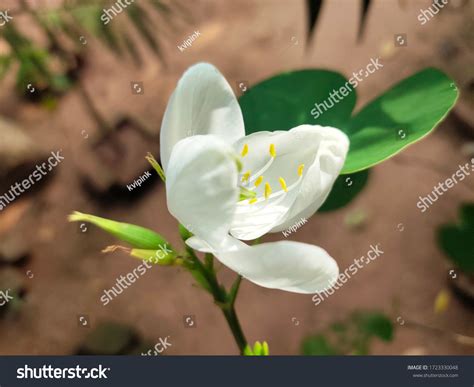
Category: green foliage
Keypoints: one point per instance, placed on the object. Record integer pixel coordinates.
(346, 188)
(351, 336)
(71, 22)
(414, 106)
(259, 349)
(398, 118)
(5, 62)
(33, 61)
(457, 240)
(285, 101)
(318, 345)
(86, 16)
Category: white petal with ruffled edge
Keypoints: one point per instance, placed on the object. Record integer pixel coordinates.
(201, 186)
(321, 150)
(320, 176)
(202, 103)
(285, 265)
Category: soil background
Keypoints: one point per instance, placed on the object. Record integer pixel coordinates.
(247, 40)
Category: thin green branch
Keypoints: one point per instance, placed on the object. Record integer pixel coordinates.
(226, 302)
(234, 290)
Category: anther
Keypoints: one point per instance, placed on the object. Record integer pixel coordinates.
(258, 181)
(268, 190)
(245, 150)
(300, 169)
(272, 150)
(246, 176)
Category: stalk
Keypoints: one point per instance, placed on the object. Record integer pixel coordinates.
(225, 301)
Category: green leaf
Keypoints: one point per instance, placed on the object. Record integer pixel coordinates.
(350, 336)
(88, 18)
(374, 324)
(457, 240)
(467, 216)
(60, 82)
(345, 189)
(234, 290)
(414, 106)
(184, 232)
(400, 117)
(136, 236)
(5, 62)
(318, 345)
(286, 100)
(338, 327)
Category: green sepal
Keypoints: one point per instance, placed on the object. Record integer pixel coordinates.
(185, 233)
(158, 257)
(138, 237)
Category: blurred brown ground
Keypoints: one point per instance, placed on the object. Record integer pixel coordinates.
(246, 40)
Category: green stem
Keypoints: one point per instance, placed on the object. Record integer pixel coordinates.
(231, 316)
(226, 302)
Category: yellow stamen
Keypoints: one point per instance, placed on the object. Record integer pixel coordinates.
(283, 184)
(300, 169)
(246, 176)
(258, 181)
(252, 201)
(268, 190)
(272, 150)
(245, 150)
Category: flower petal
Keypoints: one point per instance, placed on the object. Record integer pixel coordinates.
(202, 103)
(285, 265)
(198, 244)
(279, 155)
(320, 176)
(201, 186)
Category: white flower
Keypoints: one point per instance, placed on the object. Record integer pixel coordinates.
(286, 175)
